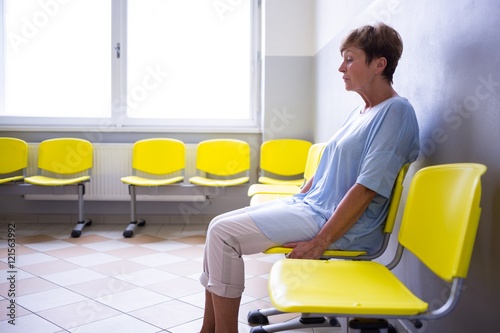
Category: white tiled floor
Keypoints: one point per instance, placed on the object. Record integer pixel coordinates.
(102, 282)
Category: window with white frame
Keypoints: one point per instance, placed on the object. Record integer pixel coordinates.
(130, 63)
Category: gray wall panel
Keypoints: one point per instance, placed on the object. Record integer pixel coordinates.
(450, 71)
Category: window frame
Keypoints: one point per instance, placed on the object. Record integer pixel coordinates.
(119, 122)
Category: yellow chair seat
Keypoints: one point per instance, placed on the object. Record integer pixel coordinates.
(141, 181)
(273, 181)
(198, 180)
(272, 189)
(326, 253)
(10, 179)
(49, 181)
(340, 287)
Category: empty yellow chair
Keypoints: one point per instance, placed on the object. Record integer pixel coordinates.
(260, 193)
(283, 161)
(222, 162)
(438, 226)
(65, 162)
(13, 159)
(155, 162)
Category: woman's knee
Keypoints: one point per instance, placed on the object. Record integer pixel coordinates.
(220, 230)
(226, 232)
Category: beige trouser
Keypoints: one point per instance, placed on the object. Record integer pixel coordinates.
(230, 236)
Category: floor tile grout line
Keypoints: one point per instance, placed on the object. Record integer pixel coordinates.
(184, 233)
(87, 298)
(118, 310)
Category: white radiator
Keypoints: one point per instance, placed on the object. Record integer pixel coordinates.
(112, 161)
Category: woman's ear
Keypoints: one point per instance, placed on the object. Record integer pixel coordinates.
(380, 64)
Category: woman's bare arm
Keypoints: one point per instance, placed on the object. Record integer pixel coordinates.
(347, 213)
(307, 186)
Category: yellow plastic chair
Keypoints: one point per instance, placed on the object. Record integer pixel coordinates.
(65, 162)
(438, 226)
(283, 161)
(13, 159)
(222, 162)
(155, 162)
(261, 193)
(260, 316)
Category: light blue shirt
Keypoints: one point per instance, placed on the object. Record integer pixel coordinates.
(369, 149)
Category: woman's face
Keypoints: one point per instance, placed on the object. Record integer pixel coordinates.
(357, 75)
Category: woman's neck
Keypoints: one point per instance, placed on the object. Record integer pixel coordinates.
(376, 97)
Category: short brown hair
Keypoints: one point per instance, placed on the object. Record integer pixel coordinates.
(377, 41)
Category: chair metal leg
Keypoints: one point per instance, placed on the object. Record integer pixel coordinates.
(129, 231)
(259, 316)
(82, 222)
(343, 322)
(305, 321)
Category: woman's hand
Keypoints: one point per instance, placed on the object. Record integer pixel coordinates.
(305, 250)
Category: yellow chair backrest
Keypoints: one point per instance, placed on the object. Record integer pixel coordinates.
(284, 157)
(397, 191)
(13, 155)
(159, 156)
(441, 216)
(313, 157)
(65, 155)
(223, 157)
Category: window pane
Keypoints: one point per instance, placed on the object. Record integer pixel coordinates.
(57, 58)
(188, 59)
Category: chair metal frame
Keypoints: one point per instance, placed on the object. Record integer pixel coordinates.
(155, 162)
(438, 226)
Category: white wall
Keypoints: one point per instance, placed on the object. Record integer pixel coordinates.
(288, 110)
(345, 12)
(450, 71)
(289, 28)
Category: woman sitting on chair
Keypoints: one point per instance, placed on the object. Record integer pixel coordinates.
(344, 204)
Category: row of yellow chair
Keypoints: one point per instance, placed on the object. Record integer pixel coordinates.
(285, 165)
(69, 161)
(155, 162)
(219, 162)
